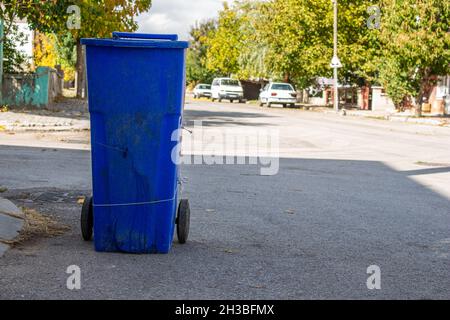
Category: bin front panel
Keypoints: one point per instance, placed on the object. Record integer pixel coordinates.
(136, 99)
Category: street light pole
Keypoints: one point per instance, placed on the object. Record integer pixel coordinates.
(1, 58)
(336, 63)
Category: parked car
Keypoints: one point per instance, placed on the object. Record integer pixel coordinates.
(278, 93)
(202, 90)
(228, 89)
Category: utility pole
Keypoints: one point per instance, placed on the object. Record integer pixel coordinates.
(336, 63)
(1, 59)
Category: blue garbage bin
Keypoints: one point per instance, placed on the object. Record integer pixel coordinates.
(136, 85)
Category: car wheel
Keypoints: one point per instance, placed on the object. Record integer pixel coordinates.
(261, 104)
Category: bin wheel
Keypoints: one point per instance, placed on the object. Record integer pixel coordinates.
(87, 219)
(183, 221)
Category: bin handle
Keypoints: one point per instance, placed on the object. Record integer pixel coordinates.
(131, 35)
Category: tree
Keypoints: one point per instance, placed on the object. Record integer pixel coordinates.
(415, 38)
(15, 61)
(49, 50)
(10, 12)
(224, 45)
(65, 46)
(300, 38)
(237, 46)
(196, 70)
(292, 40)
(254, 46)
(97, 18)
(45, 50)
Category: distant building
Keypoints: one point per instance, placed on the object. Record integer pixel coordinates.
(375, 98)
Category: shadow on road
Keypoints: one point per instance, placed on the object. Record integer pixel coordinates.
(427, 171)
(226, 118)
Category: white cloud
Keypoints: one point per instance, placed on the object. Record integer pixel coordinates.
(177, 16)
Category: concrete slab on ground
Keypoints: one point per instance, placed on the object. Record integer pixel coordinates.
(10, 208)
(9, 227)
(11, 223)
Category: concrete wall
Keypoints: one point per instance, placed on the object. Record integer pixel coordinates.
(381, 101)
(39, 89)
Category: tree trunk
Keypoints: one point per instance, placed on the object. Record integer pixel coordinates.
(424, 91)
(418, 106)
(80, 67)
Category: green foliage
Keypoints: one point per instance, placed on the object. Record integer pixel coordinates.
(224, 45)
(293, 40)
(254, 46)
(196, 71)
(300, 34)
(65, 47)
(66, 54)
(15, 61)
(415, 45)
(98, 17)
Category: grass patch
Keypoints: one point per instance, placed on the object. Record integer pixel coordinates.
(432, 164)
(377, 117)
(38, 226)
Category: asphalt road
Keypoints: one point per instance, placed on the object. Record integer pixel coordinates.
(350, 193)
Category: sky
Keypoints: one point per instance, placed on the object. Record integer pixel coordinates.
(177, 16)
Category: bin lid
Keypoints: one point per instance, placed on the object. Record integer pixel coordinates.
(138, 40)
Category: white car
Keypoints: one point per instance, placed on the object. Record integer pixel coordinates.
(228, 89)
(278, 93)
(202, 90)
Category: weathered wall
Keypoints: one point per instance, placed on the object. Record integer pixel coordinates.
(36, 90)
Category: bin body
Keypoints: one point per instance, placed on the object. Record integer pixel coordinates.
(136, 96)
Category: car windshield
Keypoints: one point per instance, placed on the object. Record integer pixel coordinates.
(282, 87)
(204, 86)
(233, 83)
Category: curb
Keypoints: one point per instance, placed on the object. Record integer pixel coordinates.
(432, 122)
(12, 220)
(397, 118)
